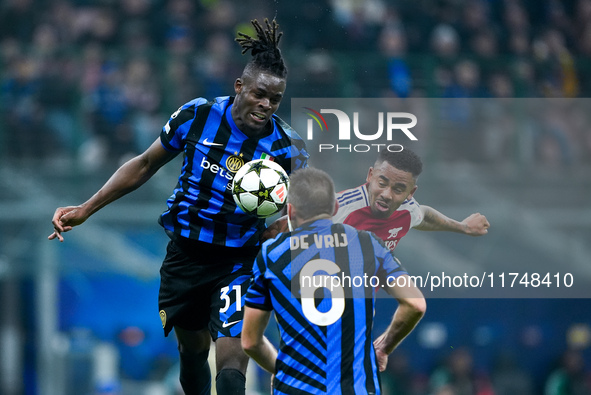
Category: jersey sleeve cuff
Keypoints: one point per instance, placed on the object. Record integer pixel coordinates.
(166, 145)
(258, 306)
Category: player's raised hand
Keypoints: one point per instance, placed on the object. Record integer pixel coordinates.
(476, 225)
(64, 219)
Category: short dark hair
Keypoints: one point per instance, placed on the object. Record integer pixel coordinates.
(266, 55)
(405, 160)
(311, 192)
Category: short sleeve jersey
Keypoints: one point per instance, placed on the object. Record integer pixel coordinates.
(354, 210)
(329, 357)
(201, 206)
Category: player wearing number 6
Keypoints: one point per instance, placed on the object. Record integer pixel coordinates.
(326, 334)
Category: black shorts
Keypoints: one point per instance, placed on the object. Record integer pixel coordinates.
(203, 286)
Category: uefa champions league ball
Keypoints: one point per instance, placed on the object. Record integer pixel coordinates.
(260, 188)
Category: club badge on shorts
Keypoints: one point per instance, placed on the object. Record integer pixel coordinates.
(163, 318)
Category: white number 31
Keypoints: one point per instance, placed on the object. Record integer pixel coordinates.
(226, 298)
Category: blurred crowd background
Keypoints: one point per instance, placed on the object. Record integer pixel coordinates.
(86, 84)
(96, 79)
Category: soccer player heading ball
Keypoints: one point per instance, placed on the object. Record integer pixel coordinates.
(208, 263)
(385, 204)
(326, 342)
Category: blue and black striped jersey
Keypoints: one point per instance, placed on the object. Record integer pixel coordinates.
(201, 206)
(326, 341)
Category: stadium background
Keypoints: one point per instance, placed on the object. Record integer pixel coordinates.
(85, 84)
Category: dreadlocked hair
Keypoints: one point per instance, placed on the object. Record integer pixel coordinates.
(265, 51)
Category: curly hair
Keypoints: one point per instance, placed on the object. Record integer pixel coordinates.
(266, 55)
(405, 160)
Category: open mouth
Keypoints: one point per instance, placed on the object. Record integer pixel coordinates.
(257, 116)
(381, 206)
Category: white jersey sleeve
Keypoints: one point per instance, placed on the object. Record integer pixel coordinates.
(416, 214)
(350, 200)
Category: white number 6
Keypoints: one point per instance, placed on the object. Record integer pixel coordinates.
(337, 293)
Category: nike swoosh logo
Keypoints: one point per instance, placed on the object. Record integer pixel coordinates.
(205, 142)
(227, 324)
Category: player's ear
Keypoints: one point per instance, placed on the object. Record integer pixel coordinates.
(336, 207)
(291, 217)
(369, 173)
(238, 85)
(412, 192)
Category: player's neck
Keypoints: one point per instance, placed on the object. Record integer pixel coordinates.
(299, 222)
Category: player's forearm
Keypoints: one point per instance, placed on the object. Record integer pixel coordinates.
(262, 352)
(433, 220)
(130, 176)
(405, 319)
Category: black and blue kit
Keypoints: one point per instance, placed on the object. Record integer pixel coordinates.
(326, 344)
(208, 266)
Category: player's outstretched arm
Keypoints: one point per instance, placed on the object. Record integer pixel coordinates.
(254, 343)
(411, 308)
(127, 178)
(474, 225)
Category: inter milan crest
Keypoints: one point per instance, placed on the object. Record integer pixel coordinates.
(234, 162)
